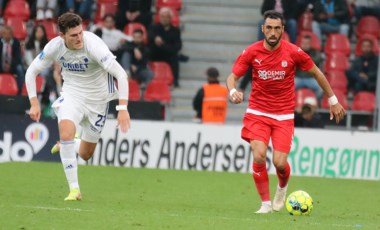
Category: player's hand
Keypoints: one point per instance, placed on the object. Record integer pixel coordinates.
(237, 97)
(338, 112)
(123, 121)
(35, 111)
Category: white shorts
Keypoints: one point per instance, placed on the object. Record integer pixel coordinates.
(90, 117)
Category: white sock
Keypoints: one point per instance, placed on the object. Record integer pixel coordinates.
(69, 162)
(268, 203)
(76, 145)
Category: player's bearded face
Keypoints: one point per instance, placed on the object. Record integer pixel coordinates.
(74, 38)
(272, 30)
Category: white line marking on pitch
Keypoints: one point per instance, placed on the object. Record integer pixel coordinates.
(54, 208)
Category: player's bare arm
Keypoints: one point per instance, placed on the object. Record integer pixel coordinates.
(235, 96)
(123, 119)
(336, 109)
(35, 109)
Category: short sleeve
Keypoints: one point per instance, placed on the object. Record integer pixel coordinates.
(303, 60)
(99, 51)
(242, 63)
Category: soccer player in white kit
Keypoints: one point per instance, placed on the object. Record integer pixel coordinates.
(88, 70)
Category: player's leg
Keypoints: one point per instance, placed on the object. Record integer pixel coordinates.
(69, 114)
(257, 132)
(260, 174)
(282, 136)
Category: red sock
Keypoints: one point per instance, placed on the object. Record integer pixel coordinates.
(283, 176)
(260, 176)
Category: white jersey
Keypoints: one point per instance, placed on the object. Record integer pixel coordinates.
(84, 71)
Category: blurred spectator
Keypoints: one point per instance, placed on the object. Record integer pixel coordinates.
(134, 11)
(10, 58)
(304, 79)
(210, 102)
(330, 16)
(366, 7)
(81, 7)
(136, 58)
(165, 42)
(114, 38)
(46, 9)
(362, 75)
(289, 9)
(34, 45)
(307, 118)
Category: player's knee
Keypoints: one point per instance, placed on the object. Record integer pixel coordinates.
(279, 165)
(86, 155)
(259, 156)
(66, 136)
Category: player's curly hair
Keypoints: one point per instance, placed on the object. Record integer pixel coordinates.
(68, 20)
(273, 15)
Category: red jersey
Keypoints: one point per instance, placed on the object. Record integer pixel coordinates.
(272, 76)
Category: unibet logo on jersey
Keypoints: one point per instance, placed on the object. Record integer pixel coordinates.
(271, 75)
(75, 67)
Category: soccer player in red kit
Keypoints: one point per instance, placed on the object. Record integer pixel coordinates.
(270, 112)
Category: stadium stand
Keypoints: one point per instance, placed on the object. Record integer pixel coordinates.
(8, 84)
(364, 101)
(157, 91)
(337, 43)
(134, 90)
(19, 27)
(162, 72)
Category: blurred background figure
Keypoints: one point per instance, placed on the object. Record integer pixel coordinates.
(210, 102)
(165, 42)
(10, 56)
(303, 78)
(330, 16)
(113, 37)
(307, 118)
(134, 11)
(81, 7)
(135, 59)
(362, 75)
(46, 9)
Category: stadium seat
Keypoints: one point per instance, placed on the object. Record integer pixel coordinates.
(285, 36)
(50, 27)
(19, 9)
(8, 84)
(104, 8)
(175, 4)
(175, 19)
(40, 85)
(134, 90)
(303, 93)
(375, 42)
(338, 80)
(336, 61)
(162, 72)
(157, 91)
(368, 25)
(342, 98)
(18, 26)
(305, 22)
(337, 43)
(130, 27)
(315, 42)
(364, 101)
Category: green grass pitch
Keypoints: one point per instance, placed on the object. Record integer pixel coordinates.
(124, 198)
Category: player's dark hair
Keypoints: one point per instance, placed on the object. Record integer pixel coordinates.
(273, 15)
(67, 21)
(138, 31)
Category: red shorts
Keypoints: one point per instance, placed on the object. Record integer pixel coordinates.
(262, 128)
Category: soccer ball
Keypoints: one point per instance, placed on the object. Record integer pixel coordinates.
(299, 203)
